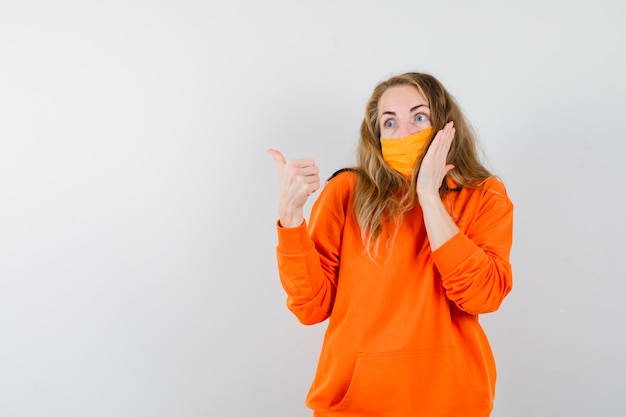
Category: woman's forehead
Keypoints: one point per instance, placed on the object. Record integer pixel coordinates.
(400, 98)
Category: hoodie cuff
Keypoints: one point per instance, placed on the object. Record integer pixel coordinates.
(453, 253)
(293, 240)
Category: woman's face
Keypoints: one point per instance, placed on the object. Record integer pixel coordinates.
(402, 111)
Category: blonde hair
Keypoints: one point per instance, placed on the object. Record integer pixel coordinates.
(382, 195)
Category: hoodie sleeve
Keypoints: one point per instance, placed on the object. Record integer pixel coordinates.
(308, 255)
(474, 264)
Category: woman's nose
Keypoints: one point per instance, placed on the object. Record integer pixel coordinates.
(406, 130)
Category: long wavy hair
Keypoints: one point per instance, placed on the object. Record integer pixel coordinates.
(382, 195)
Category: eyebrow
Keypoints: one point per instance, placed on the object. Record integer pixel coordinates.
(410, 111)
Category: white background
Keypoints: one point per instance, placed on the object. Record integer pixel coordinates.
(137, 203)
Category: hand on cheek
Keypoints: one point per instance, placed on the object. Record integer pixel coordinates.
(434, 166)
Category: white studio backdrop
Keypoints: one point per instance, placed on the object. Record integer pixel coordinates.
(138, 205)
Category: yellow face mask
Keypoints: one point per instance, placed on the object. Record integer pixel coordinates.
(401, 153)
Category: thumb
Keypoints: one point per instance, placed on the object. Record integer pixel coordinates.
(278, 157)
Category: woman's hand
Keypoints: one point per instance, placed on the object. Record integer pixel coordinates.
(439, 225)
(434, 168)
(298, 179)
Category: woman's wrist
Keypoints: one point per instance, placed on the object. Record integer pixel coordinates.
(428, 197)
(291, 218)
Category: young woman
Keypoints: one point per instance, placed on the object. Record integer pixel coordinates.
(401, 254)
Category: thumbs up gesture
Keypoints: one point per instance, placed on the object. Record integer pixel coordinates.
(298, 179)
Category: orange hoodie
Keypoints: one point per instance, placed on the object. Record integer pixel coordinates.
(403, 337)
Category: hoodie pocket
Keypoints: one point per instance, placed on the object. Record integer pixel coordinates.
(430, 383)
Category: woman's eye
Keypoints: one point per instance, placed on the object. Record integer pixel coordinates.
(389, 124)
(420, 117)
